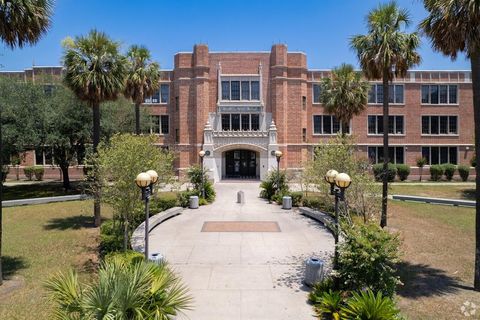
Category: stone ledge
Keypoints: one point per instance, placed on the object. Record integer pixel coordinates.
(452, 202)
(138, 236)
(319, 216)
(23, 202)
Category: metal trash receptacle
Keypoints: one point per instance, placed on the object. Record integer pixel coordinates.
(314, 271)
(193, 202)
(157, 258)
(240, 197)
(287, 203)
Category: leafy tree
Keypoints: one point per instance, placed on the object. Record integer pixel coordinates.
(344, 94)
(124, 290)
(453, 28)
(22, 22)
(67, 129)
(385, 52)
(119, 162)
(95, 71)
(142, 79)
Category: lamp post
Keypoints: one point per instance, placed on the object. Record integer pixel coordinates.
(338, 183)
(145, 181)
(202, 154)
(279, 155)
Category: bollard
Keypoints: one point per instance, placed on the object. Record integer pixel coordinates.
(240, 197)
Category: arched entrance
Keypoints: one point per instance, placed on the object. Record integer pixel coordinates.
(241, 164)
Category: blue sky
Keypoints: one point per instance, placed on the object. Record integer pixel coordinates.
(320, 28)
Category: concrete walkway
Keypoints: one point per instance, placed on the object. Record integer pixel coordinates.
(243, 275)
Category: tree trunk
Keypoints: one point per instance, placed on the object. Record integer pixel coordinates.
(383, 220)
(137, 118)
(475, 63)
(65, 177)
(96, 141)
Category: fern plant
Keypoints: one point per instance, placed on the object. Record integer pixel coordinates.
(329, 305)
(365, 305)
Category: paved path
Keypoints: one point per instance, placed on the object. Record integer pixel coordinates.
(243, 275)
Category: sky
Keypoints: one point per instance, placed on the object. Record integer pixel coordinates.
(320, 28)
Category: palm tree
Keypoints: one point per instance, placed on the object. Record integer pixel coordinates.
(95, 71)
(453, 28)
(124, 290)
(344, 94)
(384, 53)
(142, 79)
(22, 22)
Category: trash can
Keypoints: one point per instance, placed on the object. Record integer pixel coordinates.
(193, 202)
(314, 271)
(157, 258)
(240, 197)
(287, 203)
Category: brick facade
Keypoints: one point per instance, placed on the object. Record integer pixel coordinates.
(286, 109)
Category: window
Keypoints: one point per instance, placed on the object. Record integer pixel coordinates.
(316, 92)
(395, 124)
(44, 156)
(439, 94)
(255, 90)
(177, 135)
(240, 90)
(164, 93)
(304, 134)
(395, 93)
(440, 155)
(177, 105)
(395, 154)
(235, 90)
(155, 98)
(244, 122)
(438, 125)
(159, 124)
(326, 124)
(304, 102)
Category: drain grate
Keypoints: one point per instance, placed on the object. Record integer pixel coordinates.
(241, 226)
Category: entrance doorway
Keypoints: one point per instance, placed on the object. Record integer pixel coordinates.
(241, 164)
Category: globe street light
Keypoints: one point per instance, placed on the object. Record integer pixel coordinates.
(145, 181)
(279, 155)
(338, 183)
(202, 154)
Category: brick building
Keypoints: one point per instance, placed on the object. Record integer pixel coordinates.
(240, 107)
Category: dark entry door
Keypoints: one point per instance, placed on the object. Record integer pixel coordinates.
(241, 164)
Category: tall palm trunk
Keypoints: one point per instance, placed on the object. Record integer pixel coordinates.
(475, 63)
(137, 118)
(383, 220)
(96, 141)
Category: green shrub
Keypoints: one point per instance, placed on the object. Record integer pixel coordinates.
(269, 185)
(329, 305)
(319, 203)
(464, 172)
(403, 171)
(129, 256)
(111, 237)
(319, 288)
(378, 171)
(297, 198)
(163, 201)
(436, 172)
(367, 305)
(473, 161)
(195, 174)
(367, 259)
(29, 172)
(202, 202)
(38, 171)
(449, 171)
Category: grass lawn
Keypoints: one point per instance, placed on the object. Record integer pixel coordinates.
(466, 192)
(40, 240)
(438, 259)
(38, 190)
